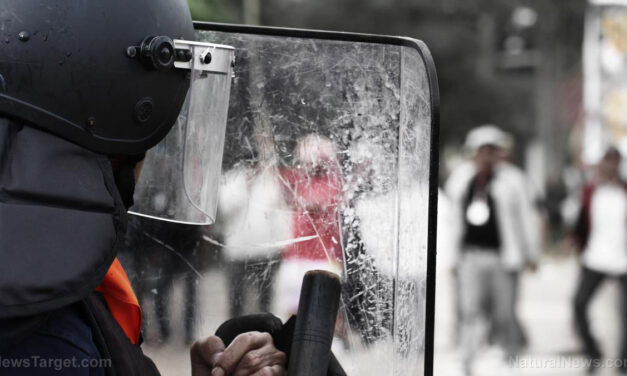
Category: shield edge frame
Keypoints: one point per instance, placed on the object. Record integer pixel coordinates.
(434, 153)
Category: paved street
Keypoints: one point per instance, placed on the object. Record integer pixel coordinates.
(544, 309)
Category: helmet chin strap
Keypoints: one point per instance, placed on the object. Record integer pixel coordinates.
(124, 175)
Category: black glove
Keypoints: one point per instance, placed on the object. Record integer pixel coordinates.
(282, 334)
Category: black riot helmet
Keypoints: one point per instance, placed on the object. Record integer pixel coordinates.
(115, 77)
(86, 85)
(98, 73)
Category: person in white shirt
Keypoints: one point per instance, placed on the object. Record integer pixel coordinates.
(601, 234)
(255, 222)
(494, 237)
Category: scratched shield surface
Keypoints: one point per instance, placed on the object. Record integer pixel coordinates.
(326, 166)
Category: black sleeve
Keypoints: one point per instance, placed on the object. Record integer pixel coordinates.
(581, 230)
(127, 359)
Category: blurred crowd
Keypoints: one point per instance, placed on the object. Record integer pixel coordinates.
(494, 225)
(276, 221)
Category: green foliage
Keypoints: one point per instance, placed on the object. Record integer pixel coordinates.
(215, 10)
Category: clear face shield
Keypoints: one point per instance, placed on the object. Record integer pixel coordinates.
(180, 176)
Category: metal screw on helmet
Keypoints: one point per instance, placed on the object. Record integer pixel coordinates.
(184, 55)
(91, 122)
(158, 53)
(24, 36)
(206, 57)
(165, 54)
(131, 52)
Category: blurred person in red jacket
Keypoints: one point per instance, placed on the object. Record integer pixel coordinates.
(600, 234)
(314, 191)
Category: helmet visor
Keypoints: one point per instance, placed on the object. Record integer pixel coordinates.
(179, 177)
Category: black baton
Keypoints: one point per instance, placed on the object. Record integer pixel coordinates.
(315, 323)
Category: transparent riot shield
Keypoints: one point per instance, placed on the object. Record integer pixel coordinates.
(330, 162)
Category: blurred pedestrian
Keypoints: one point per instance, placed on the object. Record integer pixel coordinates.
(495, 237)
(537, 229)
(600, 233)
(313, 189)
(157, 254)
(254, 222)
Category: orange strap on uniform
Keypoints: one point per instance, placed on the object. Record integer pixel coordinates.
(121, 300)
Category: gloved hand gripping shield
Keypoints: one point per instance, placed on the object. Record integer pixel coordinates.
(179, 176)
